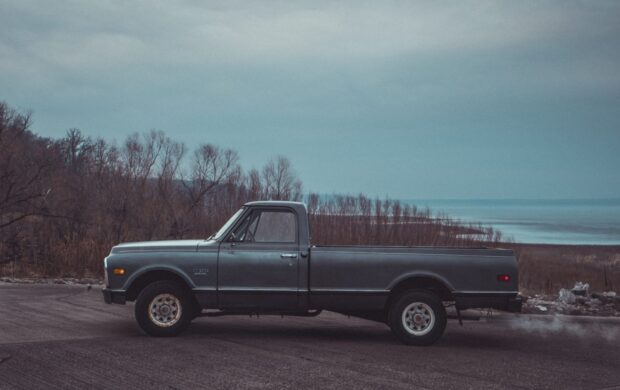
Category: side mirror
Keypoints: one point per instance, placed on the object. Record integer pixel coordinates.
(232, 237)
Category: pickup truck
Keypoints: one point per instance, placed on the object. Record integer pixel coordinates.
(262, 262)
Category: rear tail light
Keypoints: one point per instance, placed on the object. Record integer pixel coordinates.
(503, 278)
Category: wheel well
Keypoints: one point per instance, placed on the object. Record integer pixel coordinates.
(149, 277)
(421, 283)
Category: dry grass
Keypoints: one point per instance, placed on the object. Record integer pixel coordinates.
(547, 268)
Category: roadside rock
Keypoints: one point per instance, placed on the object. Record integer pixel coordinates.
(581, 300)
(576, 301)
(541, 308)
(566, 296)
(581, 289)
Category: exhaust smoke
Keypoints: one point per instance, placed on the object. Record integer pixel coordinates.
(606, 328)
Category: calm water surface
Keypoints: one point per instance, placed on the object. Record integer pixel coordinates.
(583, 221)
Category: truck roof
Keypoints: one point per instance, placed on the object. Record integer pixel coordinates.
(275, 203)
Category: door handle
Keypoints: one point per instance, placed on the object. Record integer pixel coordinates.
(288, 255)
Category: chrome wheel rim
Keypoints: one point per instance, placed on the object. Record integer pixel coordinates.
(165, 310)
(418, 318)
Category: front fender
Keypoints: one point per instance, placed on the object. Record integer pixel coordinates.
(158, 267)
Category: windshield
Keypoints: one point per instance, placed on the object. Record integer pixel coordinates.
(228, 223)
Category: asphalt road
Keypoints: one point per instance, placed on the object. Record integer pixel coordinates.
(55, 336)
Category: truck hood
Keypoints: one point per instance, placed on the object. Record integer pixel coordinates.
(169, 245)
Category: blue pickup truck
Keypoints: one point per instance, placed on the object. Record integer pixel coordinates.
(262, 262)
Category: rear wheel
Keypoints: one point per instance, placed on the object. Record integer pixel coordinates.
(164, 309)
(417, 317)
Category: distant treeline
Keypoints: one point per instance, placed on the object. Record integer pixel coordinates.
(65, 202)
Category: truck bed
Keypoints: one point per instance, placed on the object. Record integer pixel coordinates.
(337, 271)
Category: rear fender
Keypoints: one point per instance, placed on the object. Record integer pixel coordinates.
(418, 274)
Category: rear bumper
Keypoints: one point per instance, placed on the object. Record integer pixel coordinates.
(510, 302)
(113, 296)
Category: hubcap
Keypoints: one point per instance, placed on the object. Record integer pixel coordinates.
(418, 318)
(165, 310)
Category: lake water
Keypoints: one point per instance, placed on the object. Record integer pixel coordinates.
(583, 221)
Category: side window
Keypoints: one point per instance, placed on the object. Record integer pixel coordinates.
(268, 226)
(276, 226)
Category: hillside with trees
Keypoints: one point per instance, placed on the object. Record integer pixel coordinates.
(65, 202)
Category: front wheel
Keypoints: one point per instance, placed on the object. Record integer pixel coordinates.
(417, 317)
(164, 309)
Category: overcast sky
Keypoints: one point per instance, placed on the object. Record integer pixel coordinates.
(402, 99)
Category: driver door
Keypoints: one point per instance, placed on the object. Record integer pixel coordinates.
(258, 262)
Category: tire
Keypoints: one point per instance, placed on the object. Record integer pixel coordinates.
(417, 317)
(164, 309)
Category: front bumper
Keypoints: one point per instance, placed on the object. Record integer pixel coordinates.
(114, 296)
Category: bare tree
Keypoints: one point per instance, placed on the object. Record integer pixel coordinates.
(211, 167)
(254, 185)
(140, 156)
(23, 165)
(280, 180)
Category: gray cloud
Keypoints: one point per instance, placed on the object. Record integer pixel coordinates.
(432, 85)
